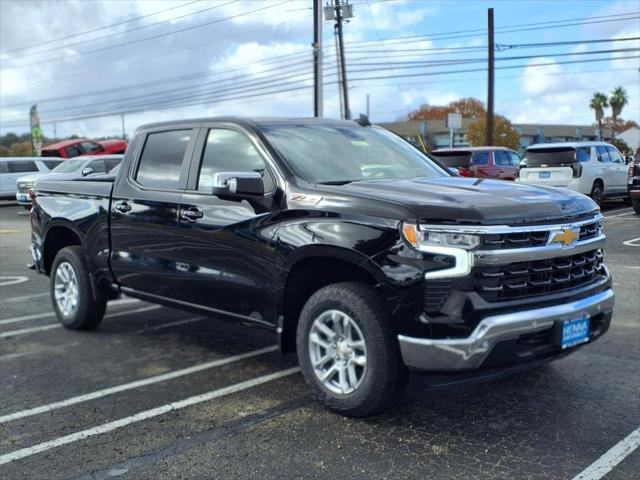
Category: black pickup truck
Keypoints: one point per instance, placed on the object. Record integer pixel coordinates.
(361, 253)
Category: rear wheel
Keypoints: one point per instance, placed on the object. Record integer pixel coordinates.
(71, 294)
(596, 192)
(348, 352)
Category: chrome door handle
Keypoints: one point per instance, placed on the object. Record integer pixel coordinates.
(122, 206)
(191, 214)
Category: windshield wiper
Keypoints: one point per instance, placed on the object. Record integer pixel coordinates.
(337, 182)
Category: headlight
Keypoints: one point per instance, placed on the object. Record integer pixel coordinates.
(423, 239)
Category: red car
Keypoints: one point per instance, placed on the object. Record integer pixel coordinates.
(82, 146)
(481, 162)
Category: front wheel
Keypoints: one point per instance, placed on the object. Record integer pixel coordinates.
(596, 193)
(348, 351)
(71, 292)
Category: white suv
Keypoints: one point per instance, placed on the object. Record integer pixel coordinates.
(596, 169)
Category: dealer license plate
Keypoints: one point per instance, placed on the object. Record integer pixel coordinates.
(575, 332)
(544, 175)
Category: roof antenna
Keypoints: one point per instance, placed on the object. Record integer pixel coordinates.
(363, 120)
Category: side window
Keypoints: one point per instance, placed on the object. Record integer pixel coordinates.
(501, 158)
(98, 166)
(73, 152)
(603, 156)
(230, 151)
(161, 159)
(111, 163)
(23, 166)
(481, 158)
(515, 159)
(583, 154)
(615, 156)
(52, 164)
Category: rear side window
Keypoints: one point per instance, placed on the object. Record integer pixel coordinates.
(603, 155)
(230, 151)
(615, 156)
(583, 154)
(481, 158)
(161, 159)
(22, 166)
(111, 163)
(97, 166)
(514, 158)
(72, 152)
(501, 159)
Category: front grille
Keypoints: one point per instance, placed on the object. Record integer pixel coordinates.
(588, 231)
(435, 294)
(498, 241)
(538, 277)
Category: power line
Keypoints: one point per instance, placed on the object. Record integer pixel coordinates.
(199, 99)
(153, 37)
(140, 27)
(117, 24)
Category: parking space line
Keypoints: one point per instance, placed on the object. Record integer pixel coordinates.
(611, 458)
(24, 297)
(49, 326)
(35, 316)
(144, 415)
(136, 384)
(633, 242)
(169, 324)
(617, 210)
(619, 215)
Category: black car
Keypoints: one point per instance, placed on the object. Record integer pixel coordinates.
(362, 254)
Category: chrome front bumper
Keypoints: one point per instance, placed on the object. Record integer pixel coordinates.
(469, 353)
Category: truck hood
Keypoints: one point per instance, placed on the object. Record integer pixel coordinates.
(476, 200)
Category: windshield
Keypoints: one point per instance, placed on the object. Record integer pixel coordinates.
(68, 166)
(335, 154)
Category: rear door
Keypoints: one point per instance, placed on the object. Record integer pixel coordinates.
(144, 211)
(226, 256)
(618, 170)
(504, 169)
(607, 169)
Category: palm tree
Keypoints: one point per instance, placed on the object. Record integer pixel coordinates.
(599, 102)
(618, 100)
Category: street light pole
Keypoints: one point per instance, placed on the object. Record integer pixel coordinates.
(343, 69)
(317, 58)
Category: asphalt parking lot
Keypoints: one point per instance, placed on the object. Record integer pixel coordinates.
(160, 393)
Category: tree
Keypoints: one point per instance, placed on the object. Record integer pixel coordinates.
(620, 126)
(504, 133)
(467, 107)
(21, 149)
(617, 100)
(622, 146)
(4, 151)
(598, 103)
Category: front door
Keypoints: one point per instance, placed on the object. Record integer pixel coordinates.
(227, 258)
(144, 213)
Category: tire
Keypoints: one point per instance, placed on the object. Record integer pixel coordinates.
(636, 205)
(70, 274)
(596, 193)
(382, 377)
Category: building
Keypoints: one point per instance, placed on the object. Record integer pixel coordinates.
(436, 134)
(631, 136)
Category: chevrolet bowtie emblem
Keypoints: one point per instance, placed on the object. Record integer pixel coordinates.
(566, 237)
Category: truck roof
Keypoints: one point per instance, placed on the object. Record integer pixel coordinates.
(568, 144)
(253, 122)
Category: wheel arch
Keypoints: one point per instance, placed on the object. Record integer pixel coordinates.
(311, 269)
(58, 236)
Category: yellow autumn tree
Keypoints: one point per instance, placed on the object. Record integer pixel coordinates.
(504, 133)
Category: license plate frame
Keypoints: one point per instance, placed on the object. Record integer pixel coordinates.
(575, 332)
(544, 174)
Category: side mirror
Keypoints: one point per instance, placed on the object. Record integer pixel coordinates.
(238, 183)
(87, 171)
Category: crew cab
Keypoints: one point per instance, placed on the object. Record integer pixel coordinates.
(596, 169)
(481, 162)
(361, 253)
(82, 146)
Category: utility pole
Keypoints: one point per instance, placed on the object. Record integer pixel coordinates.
(124, 136)
(343, 68)
(55, 131)
(317, 58)
(368, 110)
(490, 78)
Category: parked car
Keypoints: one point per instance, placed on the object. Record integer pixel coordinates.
(633, 182)
(69, 169)
(364, 272)
(596, 169)
(481, 162)
(82, 146)
(11, 168)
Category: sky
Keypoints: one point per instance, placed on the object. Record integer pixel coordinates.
(163, 60)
